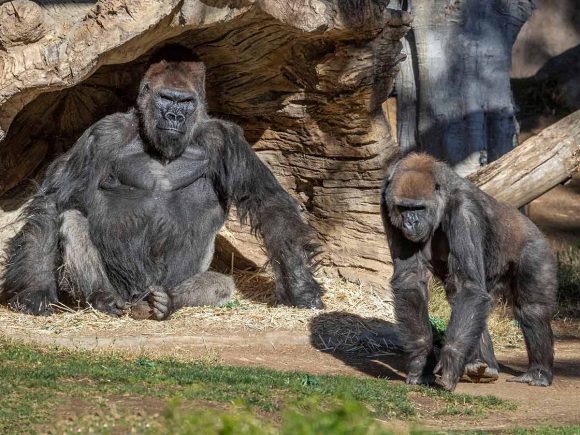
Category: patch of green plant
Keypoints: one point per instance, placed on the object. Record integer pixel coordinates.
(342, 418)
(311, 418)
(35, 383)
(234, 303)
(234, 421)
(438, 326)
(548, 430)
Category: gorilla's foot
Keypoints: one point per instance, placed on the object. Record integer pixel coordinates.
(36, 302)
(108, 303)
(160, 302)
(537, 377)
(480, 372)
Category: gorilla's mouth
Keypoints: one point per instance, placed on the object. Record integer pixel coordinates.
(172, 130)
(415, 236)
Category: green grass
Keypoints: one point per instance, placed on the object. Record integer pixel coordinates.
(111, 391)
(548, 430)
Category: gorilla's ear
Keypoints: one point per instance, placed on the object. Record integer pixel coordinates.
(196, 70)
(156, 69)
(391, 164)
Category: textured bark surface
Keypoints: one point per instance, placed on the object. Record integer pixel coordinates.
(304, 78)
(453, 91)
(535, 166)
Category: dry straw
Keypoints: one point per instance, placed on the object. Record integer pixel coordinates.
(353, 313)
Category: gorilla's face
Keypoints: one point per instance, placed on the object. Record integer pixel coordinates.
(414, 198)
(416, 219)
(171, 102)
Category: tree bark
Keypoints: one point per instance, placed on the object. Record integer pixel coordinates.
(453, 91)
(304, 78)
(535, 166)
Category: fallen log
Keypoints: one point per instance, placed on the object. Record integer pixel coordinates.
(536, 166)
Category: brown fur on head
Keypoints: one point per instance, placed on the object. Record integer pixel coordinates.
(415, 177)
(414, 197)
(178, 75)
(171, 102)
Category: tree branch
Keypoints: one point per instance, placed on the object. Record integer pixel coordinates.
(536, 166)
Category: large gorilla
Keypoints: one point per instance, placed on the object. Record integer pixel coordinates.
(438, 222)
(130, 213)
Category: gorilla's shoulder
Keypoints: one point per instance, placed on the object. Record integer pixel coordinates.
(220, 134)
(216, 126)
(116, 125)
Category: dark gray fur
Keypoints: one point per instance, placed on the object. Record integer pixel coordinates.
(132, 211)
(478, 248)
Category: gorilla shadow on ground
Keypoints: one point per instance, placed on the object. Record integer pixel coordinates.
(375, 351)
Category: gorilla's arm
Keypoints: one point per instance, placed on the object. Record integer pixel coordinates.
(270, 210)
(471, 303)
(29, 281)
(409, 286)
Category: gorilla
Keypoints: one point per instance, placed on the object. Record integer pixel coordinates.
(437, 222)
(129, 215)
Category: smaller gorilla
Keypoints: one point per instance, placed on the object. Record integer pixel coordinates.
(128, 217)
(438, 222)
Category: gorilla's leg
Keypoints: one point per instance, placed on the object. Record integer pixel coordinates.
(534, 306)
(82, 273)
(470, 308)
(207, 288)
(409, 284)
(482, 366)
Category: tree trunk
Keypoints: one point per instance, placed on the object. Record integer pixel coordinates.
(304, 78)
(536, 166)
(453, 91)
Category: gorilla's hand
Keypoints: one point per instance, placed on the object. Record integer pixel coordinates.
(160, 302)
(307, 295)
(37, 302)
(451, 367)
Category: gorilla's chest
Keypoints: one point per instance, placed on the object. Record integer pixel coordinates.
(139, 171)
(138, 186)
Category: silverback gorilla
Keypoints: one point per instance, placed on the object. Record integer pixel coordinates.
(437, 222)
(130, 213)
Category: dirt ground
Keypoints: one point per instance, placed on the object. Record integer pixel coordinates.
(286, 350)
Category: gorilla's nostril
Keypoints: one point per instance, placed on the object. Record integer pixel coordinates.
(175, 117)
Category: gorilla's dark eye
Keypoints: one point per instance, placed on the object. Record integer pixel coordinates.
(437, 187)
(405, 208)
